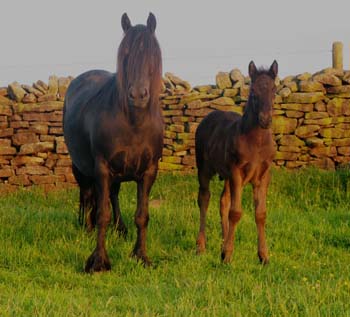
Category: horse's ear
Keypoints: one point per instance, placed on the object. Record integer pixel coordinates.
(273, 69)
(252, 70)
(126, 24)
(151, 22)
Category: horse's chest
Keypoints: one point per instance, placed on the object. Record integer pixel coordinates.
(131, 161)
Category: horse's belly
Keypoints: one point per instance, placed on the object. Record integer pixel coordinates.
(79, 149)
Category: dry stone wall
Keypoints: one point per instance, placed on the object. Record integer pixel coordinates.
(311, 123)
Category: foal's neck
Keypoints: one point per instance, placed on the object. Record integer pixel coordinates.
(249, 120)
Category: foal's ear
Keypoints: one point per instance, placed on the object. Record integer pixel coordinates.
(252, 70)
(273, 69)
(151, 22)
(126, 24)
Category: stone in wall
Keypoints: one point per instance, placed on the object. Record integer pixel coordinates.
(16, 92)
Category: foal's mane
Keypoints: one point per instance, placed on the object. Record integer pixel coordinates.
(139, 51)
(249, 114)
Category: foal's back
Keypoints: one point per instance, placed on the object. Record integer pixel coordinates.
(215, 142)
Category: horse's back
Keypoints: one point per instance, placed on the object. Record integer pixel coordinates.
(79, 108)
(85, 86)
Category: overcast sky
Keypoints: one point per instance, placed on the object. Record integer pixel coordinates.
(198, 38)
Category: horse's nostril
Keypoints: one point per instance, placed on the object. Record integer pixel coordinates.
(131, 94)
(144, 94)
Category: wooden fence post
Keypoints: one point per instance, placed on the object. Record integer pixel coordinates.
(337, 52)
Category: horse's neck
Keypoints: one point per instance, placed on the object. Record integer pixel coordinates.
(138, 118)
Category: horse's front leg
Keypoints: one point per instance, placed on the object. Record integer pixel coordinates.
(118, 221)
(98, 260)
(142, 216)
(260, 193)
(234, 215)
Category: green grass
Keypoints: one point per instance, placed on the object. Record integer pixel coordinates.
(43, 250)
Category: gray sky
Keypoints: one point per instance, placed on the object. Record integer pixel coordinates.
(198, 38)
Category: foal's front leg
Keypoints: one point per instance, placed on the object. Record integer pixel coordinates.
(142, 217)
(98, 260)
(260, 193)
(234, 215)
(225, 203)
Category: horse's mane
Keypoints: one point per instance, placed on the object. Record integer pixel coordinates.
(139, 49)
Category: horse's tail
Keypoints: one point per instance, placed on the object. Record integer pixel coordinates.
(87, 201)
(87, 207)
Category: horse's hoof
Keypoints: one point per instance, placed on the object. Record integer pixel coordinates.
(146, 261)
(121, 229)
(97, 263)
(89, 229)
(142, 258)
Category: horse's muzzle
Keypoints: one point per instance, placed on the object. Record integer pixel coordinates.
(265, 121)
(139, 104)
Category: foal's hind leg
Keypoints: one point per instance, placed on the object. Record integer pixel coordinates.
(260, 193)
(203, 202)
(225, 203)
(118, 221)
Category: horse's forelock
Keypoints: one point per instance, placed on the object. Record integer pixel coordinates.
(139, 49)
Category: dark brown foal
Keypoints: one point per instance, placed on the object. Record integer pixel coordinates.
(240, 149)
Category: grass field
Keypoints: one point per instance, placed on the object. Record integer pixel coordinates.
(43, 251)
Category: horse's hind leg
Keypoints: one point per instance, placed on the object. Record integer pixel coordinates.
(203, 202)
(98, 260)
(87, 203)
(225, 203)
(118, 221)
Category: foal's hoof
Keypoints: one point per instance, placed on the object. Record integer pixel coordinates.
(264, 260)
(97, 262)
(200, 244)
(200, 249)
(226, 256)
